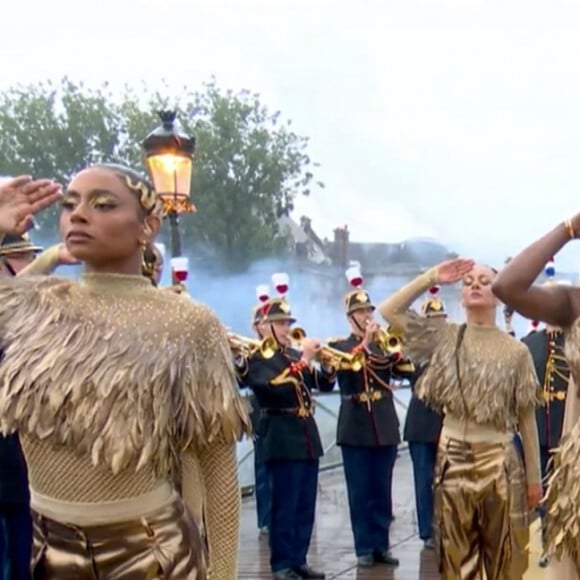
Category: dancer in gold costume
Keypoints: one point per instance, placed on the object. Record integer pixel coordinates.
(484, 382)
(115, 387)
(559, 306)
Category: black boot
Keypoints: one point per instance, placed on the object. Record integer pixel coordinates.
(306, 571)
(385, 557)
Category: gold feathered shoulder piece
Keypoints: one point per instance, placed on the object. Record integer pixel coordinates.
(424, 336)
(129, 377)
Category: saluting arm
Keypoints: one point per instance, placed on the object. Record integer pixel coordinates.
(395, 308)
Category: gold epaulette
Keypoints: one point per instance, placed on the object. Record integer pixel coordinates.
(405, 367)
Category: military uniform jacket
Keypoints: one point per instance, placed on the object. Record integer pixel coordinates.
(547, 350)
(241, 366)
(367, 416)
(13, 472)
(422, 424)
(282, 385)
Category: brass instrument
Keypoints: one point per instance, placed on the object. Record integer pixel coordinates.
(248, 346)
(332, 356)
(297, 334)
(389, 340)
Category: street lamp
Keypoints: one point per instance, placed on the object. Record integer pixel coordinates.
(169, 155)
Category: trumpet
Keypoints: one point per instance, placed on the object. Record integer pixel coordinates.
(332, 356)
(389, 340)
(248, 346)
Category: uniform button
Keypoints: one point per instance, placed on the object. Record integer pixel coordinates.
(551, 379)
(552, 389)
(307, 404)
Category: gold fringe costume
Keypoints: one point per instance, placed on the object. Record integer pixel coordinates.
(481, 517)
(116, 390)
(563, 495)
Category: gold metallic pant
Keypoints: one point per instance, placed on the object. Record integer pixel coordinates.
(481, 517)
(164, 545)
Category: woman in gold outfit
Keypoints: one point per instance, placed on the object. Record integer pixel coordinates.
(557, 305)
(484, 382)
(115, 388)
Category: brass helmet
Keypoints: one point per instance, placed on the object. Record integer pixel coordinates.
(357, 298)
(433, 306)
(277, 308)
(17, 244)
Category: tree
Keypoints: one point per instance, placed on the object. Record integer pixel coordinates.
(250, 165)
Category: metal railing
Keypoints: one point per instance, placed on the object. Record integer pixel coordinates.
(329, 404)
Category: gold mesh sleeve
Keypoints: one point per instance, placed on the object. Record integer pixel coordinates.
(395, 308)
(219, 474)
(192, 488)
(529, 433)
(45, 263)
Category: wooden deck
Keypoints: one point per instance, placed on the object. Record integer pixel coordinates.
(331, 549)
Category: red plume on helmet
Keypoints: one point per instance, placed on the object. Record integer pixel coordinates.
(354, 276)
(281, 282)
(262, 293)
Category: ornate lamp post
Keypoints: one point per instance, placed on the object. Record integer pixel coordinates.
(169, 155)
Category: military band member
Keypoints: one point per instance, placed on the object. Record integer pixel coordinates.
(262, 479)
(19, 256)
(16, 252)
(547, 350)
(422, 429)
(282, 381)
(368, 427)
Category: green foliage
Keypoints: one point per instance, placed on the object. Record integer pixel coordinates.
(249, 167)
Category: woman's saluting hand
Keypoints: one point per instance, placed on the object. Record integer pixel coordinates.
(452, 271)
(21, 198)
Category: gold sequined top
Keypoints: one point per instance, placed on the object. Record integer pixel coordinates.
(112, 384)
(498, 380)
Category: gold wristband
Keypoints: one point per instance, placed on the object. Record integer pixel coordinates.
(570, 229)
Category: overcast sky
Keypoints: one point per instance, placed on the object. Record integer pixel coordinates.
(458, 119)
